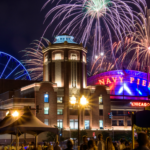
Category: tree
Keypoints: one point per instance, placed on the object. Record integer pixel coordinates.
(51, 136)
(74, 134)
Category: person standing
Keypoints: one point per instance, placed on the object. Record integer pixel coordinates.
(57, 147)
(69, 145)
(100, 143)
(109, 145)
(91, 145)
(142, 141)
(84, 145)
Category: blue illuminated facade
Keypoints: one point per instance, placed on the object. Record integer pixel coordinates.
(120, 82)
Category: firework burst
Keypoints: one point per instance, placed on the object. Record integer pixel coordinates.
(139, 48)
(80, 17)
(33, 59)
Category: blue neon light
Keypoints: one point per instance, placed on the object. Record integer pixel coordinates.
(5, 67)
(12, 71)
(139, 91)
(127, 89)
(3, 53)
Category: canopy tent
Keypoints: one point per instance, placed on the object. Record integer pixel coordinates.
(26, 123)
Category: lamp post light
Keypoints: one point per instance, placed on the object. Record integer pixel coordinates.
(83, 102)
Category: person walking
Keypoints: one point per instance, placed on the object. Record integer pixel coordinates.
(84, 145)
(57, 147)
(122, 144)
(142, 141)
(109, 145)
(100, 143)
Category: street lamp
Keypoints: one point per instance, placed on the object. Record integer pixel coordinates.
(15, 114)
(83, 102)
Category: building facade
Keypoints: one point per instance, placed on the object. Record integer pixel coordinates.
(65, 75)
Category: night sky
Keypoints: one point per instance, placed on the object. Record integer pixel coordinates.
(21, 22)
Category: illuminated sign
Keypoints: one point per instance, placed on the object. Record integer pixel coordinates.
(130, 83)
(140, 104)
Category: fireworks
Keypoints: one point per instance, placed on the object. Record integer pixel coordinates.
(139, 48)
(80, 17)
(34, 59)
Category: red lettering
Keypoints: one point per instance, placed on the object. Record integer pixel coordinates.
(101, 82)
(114, 79)
(121, 79)
(108, 81)
(144, 83)
(138, 81)
(131, 79)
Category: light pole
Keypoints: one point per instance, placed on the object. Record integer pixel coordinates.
(81, 103)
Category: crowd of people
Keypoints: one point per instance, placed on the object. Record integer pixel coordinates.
(141, 144)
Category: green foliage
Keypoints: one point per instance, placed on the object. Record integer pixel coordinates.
(74, 134)
(124, 135)
(51, 136)
(105, 134)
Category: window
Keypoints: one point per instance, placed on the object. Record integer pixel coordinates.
(73, 56)
(73, 124)
(46, 108)
(101, 112)
(59, 99)
(128, 122)
(46, 121)
(120, 113)
(101, 124)
(57, 56)
(84, 58)
(59, 111)
(100, 99)
(60, 123)
(120, 122)
(87, 124)
(46, 98)
(114, 113)
(114, 122)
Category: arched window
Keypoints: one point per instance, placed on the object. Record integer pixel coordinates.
(57, 56)
(73, 56)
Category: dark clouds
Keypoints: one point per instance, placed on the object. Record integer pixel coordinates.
(21, 22)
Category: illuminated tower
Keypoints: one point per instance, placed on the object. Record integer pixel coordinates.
(65, 64)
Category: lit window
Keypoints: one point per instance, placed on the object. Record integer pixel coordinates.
(128, 122)
(74, 56)
(73, 124)
(59, 99)
(120, 122)
(87, 124)
(46, 98)
(46, 121)
(101, 124)
(84, 58)
(46, 58)
(114, 122)
(100, 99)
(60, 123)
(59, 112)
(57, 56)
(46, 108)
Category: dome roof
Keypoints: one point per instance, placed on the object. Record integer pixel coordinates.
(63, 38)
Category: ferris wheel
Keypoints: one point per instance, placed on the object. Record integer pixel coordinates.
(11, 68)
